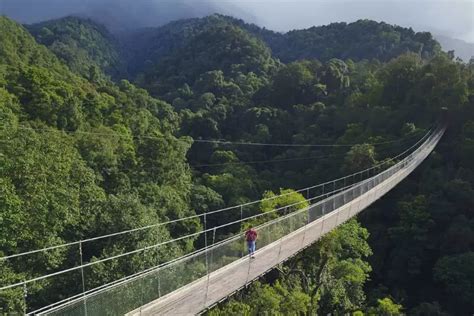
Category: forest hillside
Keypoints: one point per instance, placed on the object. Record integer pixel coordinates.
(104, 132)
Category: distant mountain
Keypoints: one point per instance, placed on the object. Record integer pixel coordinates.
(80, 43)
(462, 49)
(175, 47)
(363, 39)
(117, 15)
(182, 51)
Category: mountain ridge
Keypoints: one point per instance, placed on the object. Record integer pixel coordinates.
(143, 48)
(84, 154)
(462, 49)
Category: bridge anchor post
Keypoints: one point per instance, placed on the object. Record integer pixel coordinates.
(83, 278)
(25, 296)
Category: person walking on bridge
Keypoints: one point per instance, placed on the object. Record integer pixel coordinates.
(251, 237)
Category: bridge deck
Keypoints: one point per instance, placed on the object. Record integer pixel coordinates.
(195, 297)
(192, 298)
(222, 283)
(207, 291)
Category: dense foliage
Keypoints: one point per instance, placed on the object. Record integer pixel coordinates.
(363, 39)
(83, 156)
(80, 159)
(328, 277)
(81, 44)
(420, 233)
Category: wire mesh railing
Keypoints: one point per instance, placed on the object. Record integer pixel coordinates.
(84, 277)
(283, 235)
(307, 191)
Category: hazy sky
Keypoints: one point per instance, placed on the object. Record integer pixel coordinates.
(454, 18)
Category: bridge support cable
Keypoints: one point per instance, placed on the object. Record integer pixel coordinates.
(150, 247)
(83, 281)
(89, 264)
(223, 252)
(232, 208)
(362, 196)
(25, 297)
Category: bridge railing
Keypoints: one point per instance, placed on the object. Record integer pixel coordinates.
(82, 269)
(321, 217)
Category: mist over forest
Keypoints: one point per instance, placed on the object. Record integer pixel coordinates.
(118, 15)
(455, 23)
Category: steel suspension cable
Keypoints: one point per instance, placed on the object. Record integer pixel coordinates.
(221, 142)
(104, 287)
(210, 212)
(165, 242)
(291, 214)
(277, 160)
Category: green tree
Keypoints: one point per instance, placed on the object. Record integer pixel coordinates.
(360, 157)
(456, 275)
(385, 307)
(336, 270)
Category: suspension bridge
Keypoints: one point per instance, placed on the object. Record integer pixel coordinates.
(197, 281)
